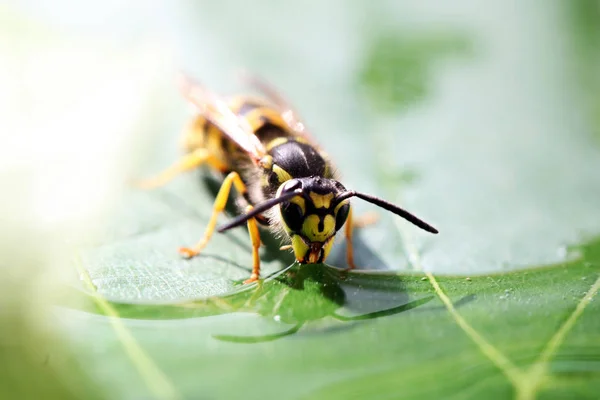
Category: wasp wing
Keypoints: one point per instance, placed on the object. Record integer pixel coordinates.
(289, 115)
(216, 110)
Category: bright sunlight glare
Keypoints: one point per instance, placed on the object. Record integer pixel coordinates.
(71, 114)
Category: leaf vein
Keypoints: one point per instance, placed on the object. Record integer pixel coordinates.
(512, 373)
(154, 378)
(538, 371)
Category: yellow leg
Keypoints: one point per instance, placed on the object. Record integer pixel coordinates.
(348, 230)
(255, 239)
(219, 205)
(186, 163)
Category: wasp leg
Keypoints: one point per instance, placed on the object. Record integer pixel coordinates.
(356, 223)
(219, 205)
(349, 228)
(255, 239)
(186, 163)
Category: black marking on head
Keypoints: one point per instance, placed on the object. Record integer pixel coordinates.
(321, 185)
(298, 159)
(321, 225)
(320, 212)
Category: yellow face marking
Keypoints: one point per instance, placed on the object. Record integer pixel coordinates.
(300, 248)
(282, 174)
(310, 228)
(327, 247)
(276, 142)
(300, 139)
(321, 200)
(300, 201)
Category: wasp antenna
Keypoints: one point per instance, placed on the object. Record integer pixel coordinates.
(390, 207)
(262, 207)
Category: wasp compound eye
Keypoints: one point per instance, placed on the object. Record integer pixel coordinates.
(341, 216)
(292, 216)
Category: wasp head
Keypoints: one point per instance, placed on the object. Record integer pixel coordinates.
(313, 216)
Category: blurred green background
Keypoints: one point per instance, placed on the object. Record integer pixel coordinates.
(483, 119)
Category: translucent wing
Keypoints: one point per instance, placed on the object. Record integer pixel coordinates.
(215, 110)
(289, 115)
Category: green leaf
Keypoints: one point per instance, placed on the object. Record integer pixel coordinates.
(491, 151)
(375, 334)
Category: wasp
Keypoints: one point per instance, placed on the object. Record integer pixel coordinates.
(284, 180)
